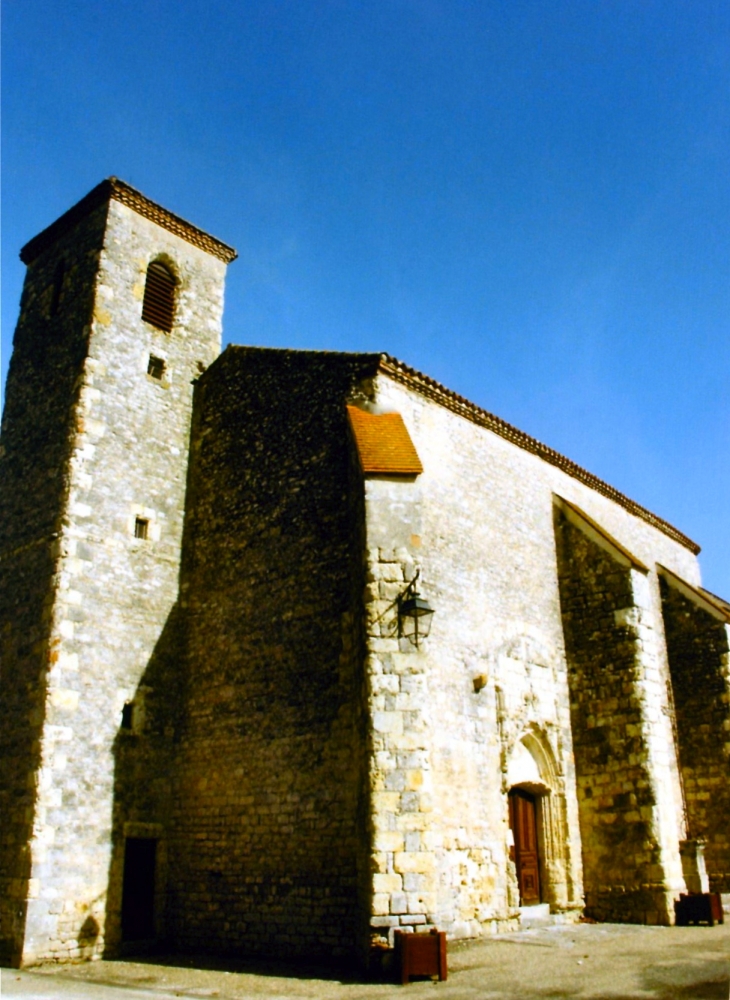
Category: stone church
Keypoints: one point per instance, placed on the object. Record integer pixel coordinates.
(299, 647)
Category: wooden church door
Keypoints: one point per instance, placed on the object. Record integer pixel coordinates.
(523, 821)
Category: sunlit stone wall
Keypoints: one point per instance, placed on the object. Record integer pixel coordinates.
(492, 677)
(116, 449)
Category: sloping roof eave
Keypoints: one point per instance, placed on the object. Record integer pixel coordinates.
(426, 386)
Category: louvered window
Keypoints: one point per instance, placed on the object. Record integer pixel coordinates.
(158, 307)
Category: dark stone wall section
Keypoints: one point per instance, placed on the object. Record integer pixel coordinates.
(615, 796)
(269, 832)
(697, 644)
(50, 346)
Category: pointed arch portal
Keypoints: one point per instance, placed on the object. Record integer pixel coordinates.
(523, 823)
(536, 819)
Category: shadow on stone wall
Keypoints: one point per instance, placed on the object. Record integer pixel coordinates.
(144, 756)
(248, 760)
(38, 427)
(25, 658)
(697, 647)
(615, 790)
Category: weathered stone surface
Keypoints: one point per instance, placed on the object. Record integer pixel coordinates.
(630, 835)
(94, 442)
(699, 662)
(199, 615)
(272, 752)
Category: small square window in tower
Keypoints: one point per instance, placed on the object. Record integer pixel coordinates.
(155, 367)
(141, 527)
(158, 305)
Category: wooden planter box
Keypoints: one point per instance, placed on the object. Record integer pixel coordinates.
(698, 908)
(420, 955)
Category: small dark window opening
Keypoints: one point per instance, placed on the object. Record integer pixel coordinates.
(58, 276)
(128, 715)
(141, 527)
(155, 367)
(158, 306)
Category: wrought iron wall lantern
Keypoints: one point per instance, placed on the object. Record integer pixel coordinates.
(414, 614)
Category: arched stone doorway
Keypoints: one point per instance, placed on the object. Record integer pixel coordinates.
(536, 819)
(524, 849)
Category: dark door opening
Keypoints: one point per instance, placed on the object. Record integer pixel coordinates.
(138, 889)
(523, 822)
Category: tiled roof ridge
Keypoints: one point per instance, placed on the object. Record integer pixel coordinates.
(429, 387)
(112, 189)
(371, 357)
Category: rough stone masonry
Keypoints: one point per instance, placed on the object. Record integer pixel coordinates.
(216, 732)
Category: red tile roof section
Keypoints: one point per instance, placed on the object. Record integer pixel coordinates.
(384, 444)
(428, 387)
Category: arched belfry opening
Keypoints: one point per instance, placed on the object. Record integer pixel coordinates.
(158, 305)
(537, 822)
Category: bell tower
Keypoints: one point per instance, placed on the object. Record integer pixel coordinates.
(121, 311)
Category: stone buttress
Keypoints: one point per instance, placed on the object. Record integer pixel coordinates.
(697, 627)
(270, 815)
(629, 790)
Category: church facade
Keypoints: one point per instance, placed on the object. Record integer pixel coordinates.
(299, 648)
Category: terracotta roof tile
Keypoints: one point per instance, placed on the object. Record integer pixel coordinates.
(384, 444)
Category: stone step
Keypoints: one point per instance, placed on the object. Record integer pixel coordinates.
(537, 914)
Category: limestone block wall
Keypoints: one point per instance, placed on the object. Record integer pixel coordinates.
(448, 718)
(404, 840)
(479, 524)
(113, 592)
(136, 439)
(630, 843)
(267, 853)
(697, 643)
(37, 434)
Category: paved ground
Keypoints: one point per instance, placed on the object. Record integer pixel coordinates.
(581, 962)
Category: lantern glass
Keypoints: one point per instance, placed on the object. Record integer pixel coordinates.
(414, 618)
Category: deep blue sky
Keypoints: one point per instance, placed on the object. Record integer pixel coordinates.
(530, 201)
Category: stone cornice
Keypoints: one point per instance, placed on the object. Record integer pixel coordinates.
(702, 598)
(599, 534)
(112, 189)
(432, 389)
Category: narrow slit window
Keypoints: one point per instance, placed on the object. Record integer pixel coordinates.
(128, 715)
(141, 527)
(155, 367)
(158, 306)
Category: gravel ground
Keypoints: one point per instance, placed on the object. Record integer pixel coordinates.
(580, 962)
